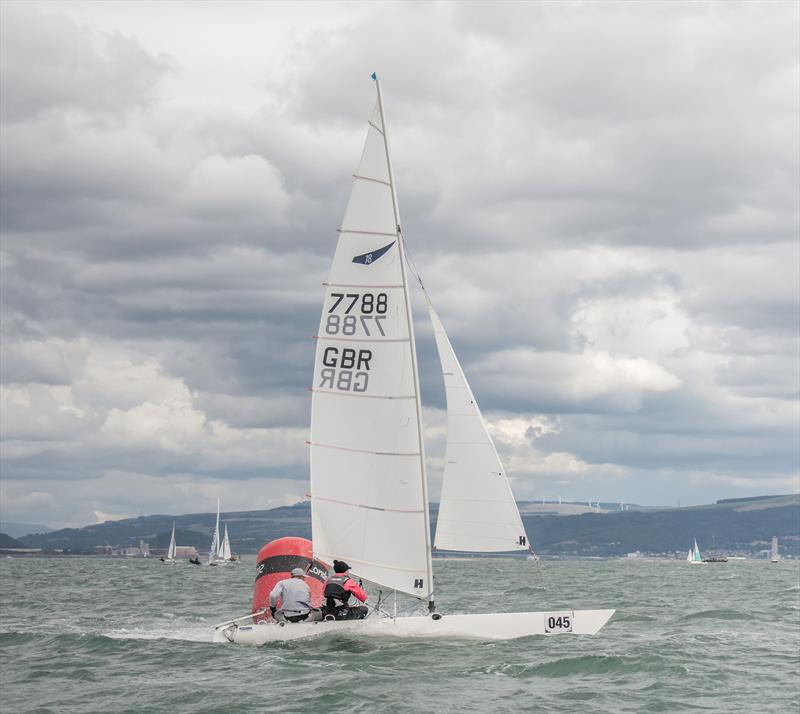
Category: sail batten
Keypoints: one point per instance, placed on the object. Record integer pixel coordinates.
(366, 233)
(365, 451)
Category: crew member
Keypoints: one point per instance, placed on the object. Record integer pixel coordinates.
(295, 596)
(338, 589)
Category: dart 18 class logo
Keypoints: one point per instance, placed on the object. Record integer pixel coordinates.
(373, 255)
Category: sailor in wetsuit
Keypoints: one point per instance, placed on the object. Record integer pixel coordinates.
(338, 589)
(295, 596)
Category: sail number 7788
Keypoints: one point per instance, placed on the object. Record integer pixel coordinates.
(351, 310)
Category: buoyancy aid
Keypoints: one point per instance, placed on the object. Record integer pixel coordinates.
(335, 593)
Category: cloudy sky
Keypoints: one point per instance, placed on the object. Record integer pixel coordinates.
(602, 199)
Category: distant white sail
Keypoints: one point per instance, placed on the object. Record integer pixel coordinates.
(213, 553)
(477, 510)
(225, 549)
(172, 547)
(774, 557)
(369, 504)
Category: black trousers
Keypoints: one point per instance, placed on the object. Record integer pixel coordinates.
(343, 612)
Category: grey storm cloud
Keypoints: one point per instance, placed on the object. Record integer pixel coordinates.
(601, 198)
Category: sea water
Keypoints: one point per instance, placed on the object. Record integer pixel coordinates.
(115, 635)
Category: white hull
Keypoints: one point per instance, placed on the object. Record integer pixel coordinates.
(495, 626)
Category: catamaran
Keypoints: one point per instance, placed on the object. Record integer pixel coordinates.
(369, 498)
(694, 554)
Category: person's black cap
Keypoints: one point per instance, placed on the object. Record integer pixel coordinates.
(339, 566)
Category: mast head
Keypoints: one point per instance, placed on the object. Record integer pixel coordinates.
(374, 76)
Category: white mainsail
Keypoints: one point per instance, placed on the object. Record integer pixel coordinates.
(477, 510)
(774, 557)
(369, 504)
(225, 548)
(172, 547)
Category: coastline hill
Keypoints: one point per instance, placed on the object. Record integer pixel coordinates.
(730, 526)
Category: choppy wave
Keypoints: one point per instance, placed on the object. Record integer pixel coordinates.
(717, 615)
(102, 635)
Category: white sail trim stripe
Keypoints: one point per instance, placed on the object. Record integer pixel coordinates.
(369, 178)
(477, 500)
(364, 451)
(366, 233)
(361, 339)
(353, 285)
(369, 508)
(360, 396)
(375, 126)
(492, 523)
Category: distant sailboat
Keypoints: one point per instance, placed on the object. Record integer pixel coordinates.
(774, 558)
(477, 510)
(215, 553)
(225, 548)
(694, 554)
(172, 547)
(220, 551)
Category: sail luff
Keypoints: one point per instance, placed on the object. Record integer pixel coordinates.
(409, 320)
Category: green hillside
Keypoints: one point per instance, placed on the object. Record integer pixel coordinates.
(743, 525)
(6, 541)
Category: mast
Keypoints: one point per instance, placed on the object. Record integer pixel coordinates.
(413, 345)
(217, 543)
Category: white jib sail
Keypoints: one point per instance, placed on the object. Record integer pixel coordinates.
(172, 547)
(477, 510)
(369, 504)
(225, 549)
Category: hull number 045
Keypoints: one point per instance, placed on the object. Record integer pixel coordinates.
(556, 623)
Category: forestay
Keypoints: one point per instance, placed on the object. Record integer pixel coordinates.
(477, 510)
(368, 491)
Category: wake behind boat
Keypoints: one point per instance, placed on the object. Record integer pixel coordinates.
(369, 500)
